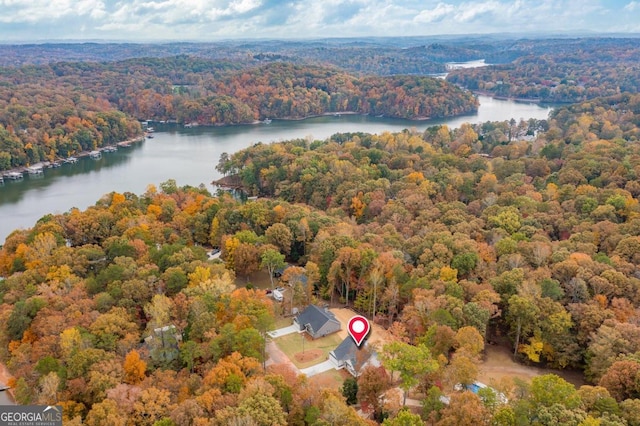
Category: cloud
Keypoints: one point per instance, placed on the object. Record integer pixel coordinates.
(435, 14)
(469, 11)
(632, 5)
(215, 19)
(17, 11)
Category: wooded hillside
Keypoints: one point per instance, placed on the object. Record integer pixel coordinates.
(522, 233)
(53, 111)
(567, 74)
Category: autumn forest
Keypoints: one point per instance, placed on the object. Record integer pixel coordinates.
(522, 234)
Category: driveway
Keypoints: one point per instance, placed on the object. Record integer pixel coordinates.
(277, 357)
(283, 331)
(318, 368)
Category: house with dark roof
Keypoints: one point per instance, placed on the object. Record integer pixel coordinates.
(348, 355)
(317, 321)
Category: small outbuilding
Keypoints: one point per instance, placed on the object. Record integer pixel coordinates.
(317, 321)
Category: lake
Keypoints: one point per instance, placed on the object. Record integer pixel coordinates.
(189, 155)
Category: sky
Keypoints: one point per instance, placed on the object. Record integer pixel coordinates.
(211, 20)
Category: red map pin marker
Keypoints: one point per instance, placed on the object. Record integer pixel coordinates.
(358, 328)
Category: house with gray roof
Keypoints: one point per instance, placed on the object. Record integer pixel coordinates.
(348, 355)
(317, 321)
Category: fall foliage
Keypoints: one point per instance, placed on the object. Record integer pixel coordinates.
(526, 232)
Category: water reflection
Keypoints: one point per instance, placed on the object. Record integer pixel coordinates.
(14, 190)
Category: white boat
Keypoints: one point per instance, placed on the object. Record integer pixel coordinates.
(267, 121)
(95, 155)
(110, 148)
(71, 160)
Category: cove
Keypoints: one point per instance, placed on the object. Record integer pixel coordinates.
(189, 155)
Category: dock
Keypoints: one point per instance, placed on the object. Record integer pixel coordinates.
(110, 148)
(95, 155)
(71, 160)
(14, 175)
(35, 170)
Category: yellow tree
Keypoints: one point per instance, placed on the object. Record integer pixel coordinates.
(229, 246)
(134, 368)
(70, 342)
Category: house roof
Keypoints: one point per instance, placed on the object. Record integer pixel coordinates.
(315, 317)
(346, 350)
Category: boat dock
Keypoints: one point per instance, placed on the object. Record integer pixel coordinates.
(14, 175)
(35, 170)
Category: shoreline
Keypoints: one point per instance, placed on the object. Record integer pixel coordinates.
(521, 100)
(48, 164)
(335, 114)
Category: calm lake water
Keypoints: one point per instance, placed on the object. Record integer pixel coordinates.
(190, 155)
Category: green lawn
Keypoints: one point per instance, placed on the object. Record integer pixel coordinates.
(282, 322)
(291, 344)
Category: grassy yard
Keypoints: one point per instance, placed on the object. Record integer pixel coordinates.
(291, 344)
(282, 322)
(258, 280)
